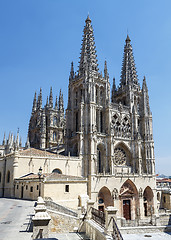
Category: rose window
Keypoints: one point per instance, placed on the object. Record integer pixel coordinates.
(120, 157)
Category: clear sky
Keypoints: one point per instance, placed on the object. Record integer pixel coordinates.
(40, 38)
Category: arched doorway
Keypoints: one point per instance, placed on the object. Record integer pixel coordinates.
(129, 200)
(148, 201)
(104, 198)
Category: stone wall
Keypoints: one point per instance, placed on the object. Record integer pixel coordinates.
(62, 223)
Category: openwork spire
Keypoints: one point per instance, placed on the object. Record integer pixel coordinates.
(72, 71)
(88, 59)
(51, 98)
(113, 90)
(145, 98)
(34, 103)
(128, 73)
(61, 102)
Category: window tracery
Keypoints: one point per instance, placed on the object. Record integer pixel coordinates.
(119, 157)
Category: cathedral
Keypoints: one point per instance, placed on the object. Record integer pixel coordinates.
(105, 137)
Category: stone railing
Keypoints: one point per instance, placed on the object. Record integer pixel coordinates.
(98, 216)
(116, 234)
(54, 206)
(101, 225)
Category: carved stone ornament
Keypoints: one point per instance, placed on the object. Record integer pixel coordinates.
(120, 157)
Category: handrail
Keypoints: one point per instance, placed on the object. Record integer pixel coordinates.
(116, 233)
(98, 216)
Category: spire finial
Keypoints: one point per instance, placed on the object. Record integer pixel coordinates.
(71, 77)
(51, 98)
(88, 18)
(40, 98)
(106, 75)
(127, 38)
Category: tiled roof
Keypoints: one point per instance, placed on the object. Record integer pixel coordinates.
(51, 177)
(36, 152)
(33, 176)
(56, 176)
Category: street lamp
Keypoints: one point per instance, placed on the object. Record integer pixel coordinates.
(40, 174)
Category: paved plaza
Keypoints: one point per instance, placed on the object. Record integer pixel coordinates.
(148, 236)
(15, 216)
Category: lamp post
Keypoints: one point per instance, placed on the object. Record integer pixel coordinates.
(40, 174)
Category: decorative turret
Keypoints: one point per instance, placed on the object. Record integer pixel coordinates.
(51, 99)
(128, 73)
(20, 144)
(17, 141)
(61, 102)
(113, 90)
(71, 77)
(56, 103)
(27, 145)
(106, 74)
(39, 101)
(88, 59)
(34, 103)
(145, 99)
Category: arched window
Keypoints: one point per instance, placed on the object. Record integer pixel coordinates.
(76, 122)
(101, 97)
(8, 177)
(101, 122)
(55, 121)
(57, 170)
(99, 161)
(54, 136)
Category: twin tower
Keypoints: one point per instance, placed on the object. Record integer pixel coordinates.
(108, 132)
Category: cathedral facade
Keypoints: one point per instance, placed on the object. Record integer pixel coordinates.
(108, 130)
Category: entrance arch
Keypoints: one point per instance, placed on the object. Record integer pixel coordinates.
(129, 200)
(148, 202)
(104, 198)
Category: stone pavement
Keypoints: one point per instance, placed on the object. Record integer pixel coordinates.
(148, 236)
(68, 236)
(15, 216)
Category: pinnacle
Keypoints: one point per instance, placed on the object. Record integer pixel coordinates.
(128, 73)
(128, 39)
(88, 19)
(88, 58)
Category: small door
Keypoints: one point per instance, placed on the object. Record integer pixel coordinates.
(101, 208)
(145, 209)
(22, 191)
(127, 209)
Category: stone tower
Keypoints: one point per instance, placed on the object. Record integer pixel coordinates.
(112, 135)
(46, 126)
(88, 99)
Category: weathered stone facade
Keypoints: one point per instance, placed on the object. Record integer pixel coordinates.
(111, 136)
(46, 126)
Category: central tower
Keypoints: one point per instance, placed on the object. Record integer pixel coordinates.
(88, 99)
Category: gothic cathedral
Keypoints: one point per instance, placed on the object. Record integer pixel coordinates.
(107, 131)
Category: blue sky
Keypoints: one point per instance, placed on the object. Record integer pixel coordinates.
(40, 38)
